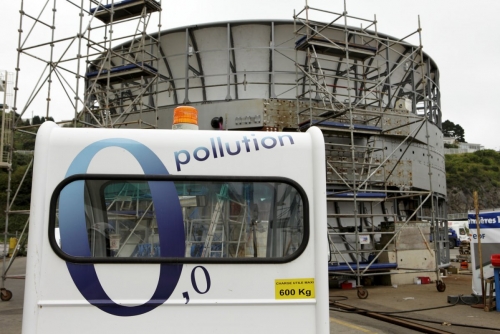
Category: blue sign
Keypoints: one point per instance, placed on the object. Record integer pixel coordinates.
(486, 220)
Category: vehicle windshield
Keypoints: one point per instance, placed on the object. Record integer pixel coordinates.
(180, 219)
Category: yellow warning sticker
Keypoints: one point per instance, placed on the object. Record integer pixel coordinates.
(295, 288)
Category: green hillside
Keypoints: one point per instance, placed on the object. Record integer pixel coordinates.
(24, 144)
(469, 172)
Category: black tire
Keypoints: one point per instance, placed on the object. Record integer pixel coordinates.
(440, 286)
(5, 295)
(451, 244)
(362, 293)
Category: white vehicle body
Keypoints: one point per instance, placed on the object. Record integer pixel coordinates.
(127, 263)
(460, 227)
(489, 234)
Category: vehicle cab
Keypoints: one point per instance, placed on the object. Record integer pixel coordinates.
(154, 231)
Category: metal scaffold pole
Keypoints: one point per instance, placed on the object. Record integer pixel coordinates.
(119, 84)
(364, 92)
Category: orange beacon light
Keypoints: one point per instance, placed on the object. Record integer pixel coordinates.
(185, 118)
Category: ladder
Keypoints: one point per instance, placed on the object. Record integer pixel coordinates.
(222, 197)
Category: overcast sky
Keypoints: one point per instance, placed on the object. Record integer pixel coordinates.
(462, 37)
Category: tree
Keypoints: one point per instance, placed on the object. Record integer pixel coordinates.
(460, 133)
(39, 120)
(451, 129)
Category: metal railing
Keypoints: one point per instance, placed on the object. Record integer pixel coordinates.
(457, 216)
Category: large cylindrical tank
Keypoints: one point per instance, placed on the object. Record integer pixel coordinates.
(255, 75)
(245, 73)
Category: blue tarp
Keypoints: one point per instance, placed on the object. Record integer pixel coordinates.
(362, 266)
(120, 69)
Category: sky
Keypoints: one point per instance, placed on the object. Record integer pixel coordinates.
(460, 36)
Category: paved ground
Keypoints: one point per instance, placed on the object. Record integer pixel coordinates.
(413, 298)
(425, 298)
(11, 312)
(3, 249)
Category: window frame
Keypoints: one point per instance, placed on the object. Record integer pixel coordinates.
(184, 260)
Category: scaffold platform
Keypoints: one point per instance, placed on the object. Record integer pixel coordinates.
(125, 9)
(335, 47)
(129, 72)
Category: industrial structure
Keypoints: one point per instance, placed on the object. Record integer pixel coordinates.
(375, 97)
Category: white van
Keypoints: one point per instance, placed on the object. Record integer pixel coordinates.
(461, 228)
(163, 231)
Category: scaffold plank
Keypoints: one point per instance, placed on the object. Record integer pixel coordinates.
(125, 9)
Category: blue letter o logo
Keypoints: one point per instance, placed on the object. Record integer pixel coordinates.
(73, 231)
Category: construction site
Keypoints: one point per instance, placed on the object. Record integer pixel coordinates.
(375, 97)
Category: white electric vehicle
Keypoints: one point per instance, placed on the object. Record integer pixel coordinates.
(163, 231)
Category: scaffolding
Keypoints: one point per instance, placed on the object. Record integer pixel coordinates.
(121, 79)
(6, 158)
(107, 71)
(374, 98)
(6, 89)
